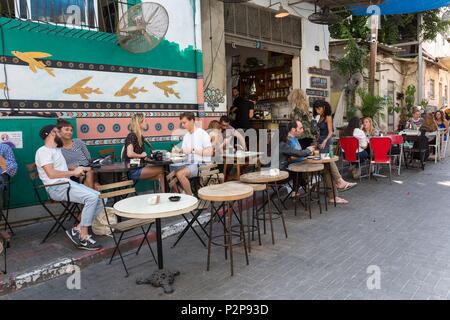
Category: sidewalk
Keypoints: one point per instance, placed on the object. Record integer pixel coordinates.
(31, 262)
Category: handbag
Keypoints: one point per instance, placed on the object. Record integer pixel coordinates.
(100, 225)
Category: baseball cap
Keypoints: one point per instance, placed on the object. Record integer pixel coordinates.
(45, 131)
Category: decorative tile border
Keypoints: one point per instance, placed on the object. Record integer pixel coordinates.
(40, 105)
(103, 67)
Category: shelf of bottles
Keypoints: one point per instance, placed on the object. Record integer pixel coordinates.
(270, 85)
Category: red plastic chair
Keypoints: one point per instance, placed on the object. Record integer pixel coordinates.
(350, 147)
(397, 140)
(381, 148)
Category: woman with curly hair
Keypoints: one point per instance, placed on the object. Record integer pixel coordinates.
(300, 111)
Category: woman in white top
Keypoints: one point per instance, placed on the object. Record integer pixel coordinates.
(353, 129)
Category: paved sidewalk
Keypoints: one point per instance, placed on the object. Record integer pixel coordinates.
(403, 229)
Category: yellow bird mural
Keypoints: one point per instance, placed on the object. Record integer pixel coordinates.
(33, 64)
(166, 87)
(3, 86)
(128, 90)
(79, 88)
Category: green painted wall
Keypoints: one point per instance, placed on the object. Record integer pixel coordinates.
(167, 55)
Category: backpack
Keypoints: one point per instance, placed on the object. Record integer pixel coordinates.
(100, 224)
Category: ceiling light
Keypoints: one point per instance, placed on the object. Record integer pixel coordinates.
(282, 12)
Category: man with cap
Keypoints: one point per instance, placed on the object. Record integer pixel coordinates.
(52, 169)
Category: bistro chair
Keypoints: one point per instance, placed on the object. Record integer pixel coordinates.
(436, 146)
(69, 209)
(123, 190)
(445, 137)
(5, 201)
(5, 238)
(350, 147)
(397, 150)
(381, 153)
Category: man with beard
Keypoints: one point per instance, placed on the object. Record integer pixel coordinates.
(55, 175)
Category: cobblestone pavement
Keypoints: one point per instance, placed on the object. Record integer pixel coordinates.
(403, 228)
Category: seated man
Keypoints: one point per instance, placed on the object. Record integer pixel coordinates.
(52, 169)
(75, 152)
(229, 133)
(197, 145)
(8, 168)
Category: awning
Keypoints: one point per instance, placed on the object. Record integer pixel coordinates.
(401, 6)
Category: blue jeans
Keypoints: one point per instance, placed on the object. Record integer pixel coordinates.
(79, 193)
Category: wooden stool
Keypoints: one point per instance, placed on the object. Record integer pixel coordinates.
(272, 181)
(5, 237)
(226, 193)
(250, 226)
(309, 171)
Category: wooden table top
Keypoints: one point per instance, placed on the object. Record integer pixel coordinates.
(305, 167)
(263, 177)
(115, 168)
(138, 208)
(228, 191)
(321, 161)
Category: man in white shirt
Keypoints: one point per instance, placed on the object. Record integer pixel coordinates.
(54, 174)
(197, 145)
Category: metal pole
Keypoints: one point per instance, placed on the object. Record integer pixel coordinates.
(420, 66)
(373, 52)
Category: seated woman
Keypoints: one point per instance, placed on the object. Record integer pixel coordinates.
(229, 134)
(441, 122)
(353, 130)
(134, 148)
(416, 121)
(75, 153)
(429, 126)
(368, 128)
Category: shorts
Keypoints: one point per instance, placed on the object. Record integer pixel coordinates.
(193, 167)
(135, 174)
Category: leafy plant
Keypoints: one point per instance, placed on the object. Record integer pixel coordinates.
(371, 106)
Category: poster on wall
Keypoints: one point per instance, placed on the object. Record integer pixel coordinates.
(12, 138)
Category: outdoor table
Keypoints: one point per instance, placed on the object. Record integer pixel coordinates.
(138, 208)
(239, 159)
(327, 164)
(226, 193)
(261, 177)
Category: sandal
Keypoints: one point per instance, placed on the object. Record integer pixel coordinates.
(338, 201)
(347, 186)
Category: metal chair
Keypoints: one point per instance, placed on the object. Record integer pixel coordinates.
(445, 137)
(6, 200)
(124, 189)
(350, 147)
(70, 208)
(5, 238)
(381, 153)
(436, 146)
(397, 140)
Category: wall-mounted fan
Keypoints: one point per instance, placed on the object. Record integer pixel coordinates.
(324, 16)
(142, 27)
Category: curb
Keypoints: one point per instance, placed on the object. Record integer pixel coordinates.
(65, 266)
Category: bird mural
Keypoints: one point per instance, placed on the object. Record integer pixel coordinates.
(129, 90)
(166, 87)
(80, 89)
(31, 59)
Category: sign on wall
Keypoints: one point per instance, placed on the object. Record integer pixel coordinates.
(319, 82)
(12, 138)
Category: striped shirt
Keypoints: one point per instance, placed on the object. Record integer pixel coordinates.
(78, 155)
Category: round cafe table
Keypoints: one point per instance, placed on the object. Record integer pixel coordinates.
(327, 165)
(262, 177)
(138, 208)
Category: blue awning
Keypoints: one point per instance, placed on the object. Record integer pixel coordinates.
(402, 6)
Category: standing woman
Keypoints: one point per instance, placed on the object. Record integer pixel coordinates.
(322, 109)
(134, 148)
(300, 111)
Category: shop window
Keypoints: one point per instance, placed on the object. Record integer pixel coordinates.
(7, 8)
(70, 13)
(432, 89)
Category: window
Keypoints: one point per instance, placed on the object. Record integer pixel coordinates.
(73, 13)
(431, 92)
(7, 8)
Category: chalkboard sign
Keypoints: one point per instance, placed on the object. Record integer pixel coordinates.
(312, 99)
(319, 71)
(318, 82)
(319, 93)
